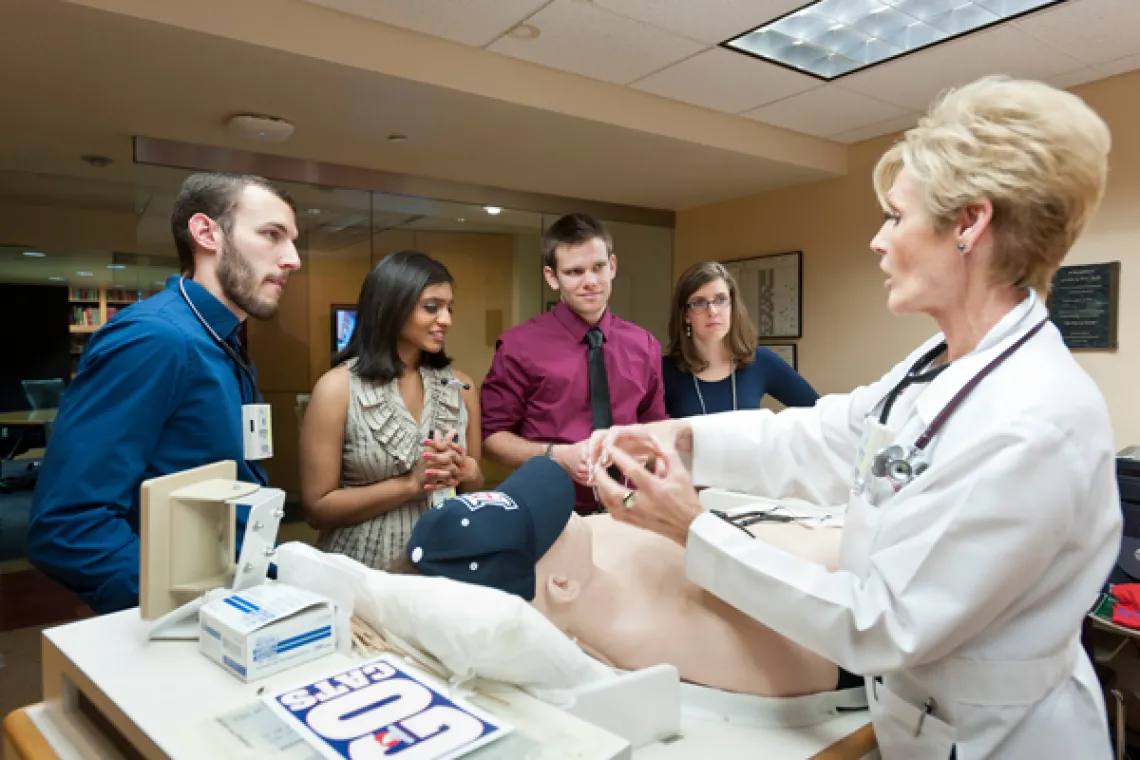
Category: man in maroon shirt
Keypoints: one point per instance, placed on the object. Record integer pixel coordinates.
(545, 391)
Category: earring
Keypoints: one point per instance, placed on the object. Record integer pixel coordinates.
(961, 248)
(688, 329)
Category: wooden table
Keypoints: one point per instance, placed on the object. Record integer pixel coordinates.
(23, 740)
(28, 418)
(44, 418)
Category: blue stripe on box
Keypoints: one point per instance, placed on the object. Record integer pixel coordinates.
(308, 638)
(253, 607)
(239, 604)
(240, 669)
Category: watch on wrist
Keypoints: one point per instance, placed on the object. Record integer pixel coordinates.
(550, 451)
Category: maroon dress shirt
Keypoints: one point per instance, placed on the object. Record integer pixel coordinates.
(538, 388)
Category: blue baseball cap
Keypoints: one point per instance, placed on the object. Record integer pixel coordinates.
(495, 538)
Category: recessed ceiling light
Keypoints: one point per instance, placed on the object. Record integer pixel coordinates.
(830, 38)
(56, 279)
(86, 274)
(525, 32)
(34, 254)
(313, 211)
(116, 266)
(257, 127)
(397, 138)
(493, 210)
(460, 219)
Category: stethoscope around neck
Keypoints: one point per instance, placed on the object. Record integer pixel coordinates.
(898, 464)
(230, 352)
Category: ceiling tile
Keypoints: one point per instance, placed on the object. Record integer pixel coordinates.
(878, 129)
(1078, 77)
(725, 81)
(581, 38)
(711, 21)
(472, 22)
(913, 81)
(825, 111)
(1097, 72)
(1119, 66)
(1094, 31)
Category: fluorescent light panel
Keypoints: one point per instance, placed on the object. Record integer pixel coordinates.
(830, 38)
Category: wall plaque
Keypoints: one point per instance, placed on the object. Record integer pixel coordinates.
(1084, 304)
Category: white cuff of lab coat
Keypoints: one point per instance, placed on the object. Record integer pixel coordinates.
(711, 541)
(713, 450)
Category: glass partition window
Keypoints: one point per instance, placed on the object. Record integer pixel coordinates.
(82, 250)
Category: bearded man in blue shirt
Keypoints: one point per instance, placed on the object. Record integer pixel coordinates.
(160, 388)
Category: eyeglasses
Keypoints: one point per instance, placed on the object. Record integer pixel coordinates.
(705, 304)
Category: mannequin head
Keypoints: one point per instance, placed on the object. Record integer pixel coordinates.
(564, 572)
(496, 538)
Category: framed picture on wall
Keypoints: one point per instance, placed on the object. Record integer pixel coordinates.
(786, 351)
(770, 288)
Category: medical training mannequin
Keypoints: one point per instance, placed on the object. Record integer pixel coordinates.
(620, 592)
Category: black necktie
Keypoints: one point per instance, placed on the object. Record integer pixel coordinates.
(599, 385)
(600, 408)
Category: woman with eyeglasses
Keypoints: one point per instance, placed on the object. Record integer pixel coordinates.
(713, 363)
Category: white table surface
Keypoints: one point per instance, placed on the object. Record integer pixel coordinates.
(174, 695)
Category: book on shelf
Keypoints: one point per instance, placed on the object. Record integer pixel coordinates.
(87, 316)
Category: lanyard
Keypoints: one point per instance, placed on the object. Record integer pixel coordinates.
(230, 352)
(701, 398)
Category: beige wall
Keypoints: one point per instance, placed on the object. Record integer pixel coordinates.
(530, 289)
(849, 337)
(644, 279)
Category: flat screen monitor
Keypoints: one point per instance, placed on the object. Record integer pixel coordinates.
(343, 323)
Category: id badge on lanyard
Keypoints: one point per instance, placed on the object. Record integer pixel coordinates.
(257, 431)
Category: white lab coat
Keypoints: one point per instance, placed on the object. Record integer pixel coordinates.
(968, 586)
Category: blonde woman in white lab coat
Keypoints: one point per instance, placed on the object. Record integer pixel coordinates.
(983, 517)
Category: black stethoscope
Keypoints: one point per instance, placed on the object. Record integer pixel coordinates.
(899, 465)
(242, 364)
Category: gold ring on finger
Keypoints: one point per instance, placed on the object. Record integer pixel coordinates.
(627, 500)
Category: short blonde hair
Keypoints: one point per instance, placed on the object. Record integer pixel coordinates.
(1038, 154)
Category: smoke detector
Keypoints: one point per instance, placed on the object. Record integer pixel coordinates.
(262, 128)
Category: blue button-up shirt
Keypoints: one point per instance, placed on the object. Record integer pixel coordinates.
(154, 394)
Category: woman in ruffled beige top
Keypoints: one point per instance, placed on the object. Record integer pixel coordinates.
(392, 422)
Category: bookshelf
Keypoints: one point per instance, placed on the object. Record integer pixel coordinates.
(91, 308)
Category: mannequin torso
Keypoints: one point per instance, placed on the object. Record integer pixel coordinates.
(634, 608)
